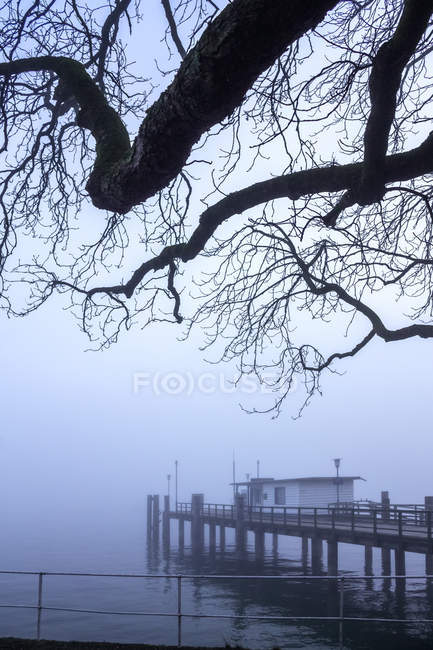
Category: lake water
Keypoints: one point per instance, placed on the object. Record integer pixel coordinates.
(119, 545)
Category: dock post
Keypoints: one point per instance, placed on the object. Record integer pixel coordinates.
(166, 521)
(400, 568)
(181, 531)
(386, 561)
(149, 516)
(155, 518)
(222, 538)
(259, 543)
(274, 543)
(368, 560)
(400, 561)
(385, 505)
(240, 524)
(197, 520)
(316, 554)
(212, 536)
(332, 557)
(304, 553)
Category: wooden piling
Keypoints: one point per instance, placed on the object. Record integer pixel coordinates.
(274, 543)
(386, 561)
(400, 561)
(259, 543)
(222, 538)
(316, 554)
(155, 518)
(368, 560)
(149, 516)
(240, 522)
(385, 505)
(166, 521)
(181, 532)
(197, 536)
(304, 552)
(332, 557)
(212, 536)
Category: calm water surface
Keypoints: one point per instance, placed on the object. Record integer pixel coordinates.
(105, 545)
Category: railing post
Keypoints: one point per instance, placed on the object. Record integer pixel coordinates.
(285, 516)
(315, 517)
(38, 627)
(400, 524)
(341, 615)
(272, 514)
(299, 517)
(353, 520)
(179, 611)
(375, 521)
(333, 518)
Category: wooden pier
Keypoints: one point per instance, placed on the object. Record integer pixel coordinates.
(390, 527)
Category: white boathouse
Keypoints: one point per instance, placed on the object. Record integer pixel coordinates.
(312, 491)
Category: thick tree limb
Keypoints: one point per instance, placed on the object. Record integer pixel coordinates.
(111, 136)
(243, 41)
(385, 78)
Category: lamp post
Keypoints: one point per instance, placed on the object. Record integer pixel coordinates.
(248, 489)
(337, 480)
(168, 484)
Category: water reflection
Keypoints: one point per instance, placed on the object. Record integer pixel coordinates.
(380, 598)
(367, 598)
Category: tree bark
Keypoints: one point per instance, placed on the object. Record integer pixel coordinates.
(241, 43)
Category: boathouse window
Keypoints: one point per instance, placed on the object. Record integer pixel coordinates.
(280, 496)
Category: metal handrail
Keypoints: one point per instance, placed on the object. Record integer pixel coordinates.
(180, 614)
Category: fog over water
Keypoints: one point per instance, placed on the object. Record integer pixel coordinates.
(78, 443)
(86, 435)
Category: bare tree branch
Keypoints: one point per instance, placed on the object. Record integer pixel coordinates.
(398, 167)
(388, 66)
(173, 28)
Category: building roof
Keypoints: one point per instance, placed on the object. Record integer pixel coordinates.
(256, 481)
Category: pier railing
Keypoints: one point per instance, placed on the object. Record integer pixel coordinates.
(397, 520)
(180, 613)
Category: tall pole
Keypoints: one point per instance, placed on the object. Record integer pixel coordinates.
(168, 484)
(258, 469)
(337, 480)
(234, 477)
(248, 489)
(175, 482)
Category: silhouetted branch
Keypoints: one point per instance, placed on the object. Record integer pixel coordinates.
(173, 28)
(388, 66)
